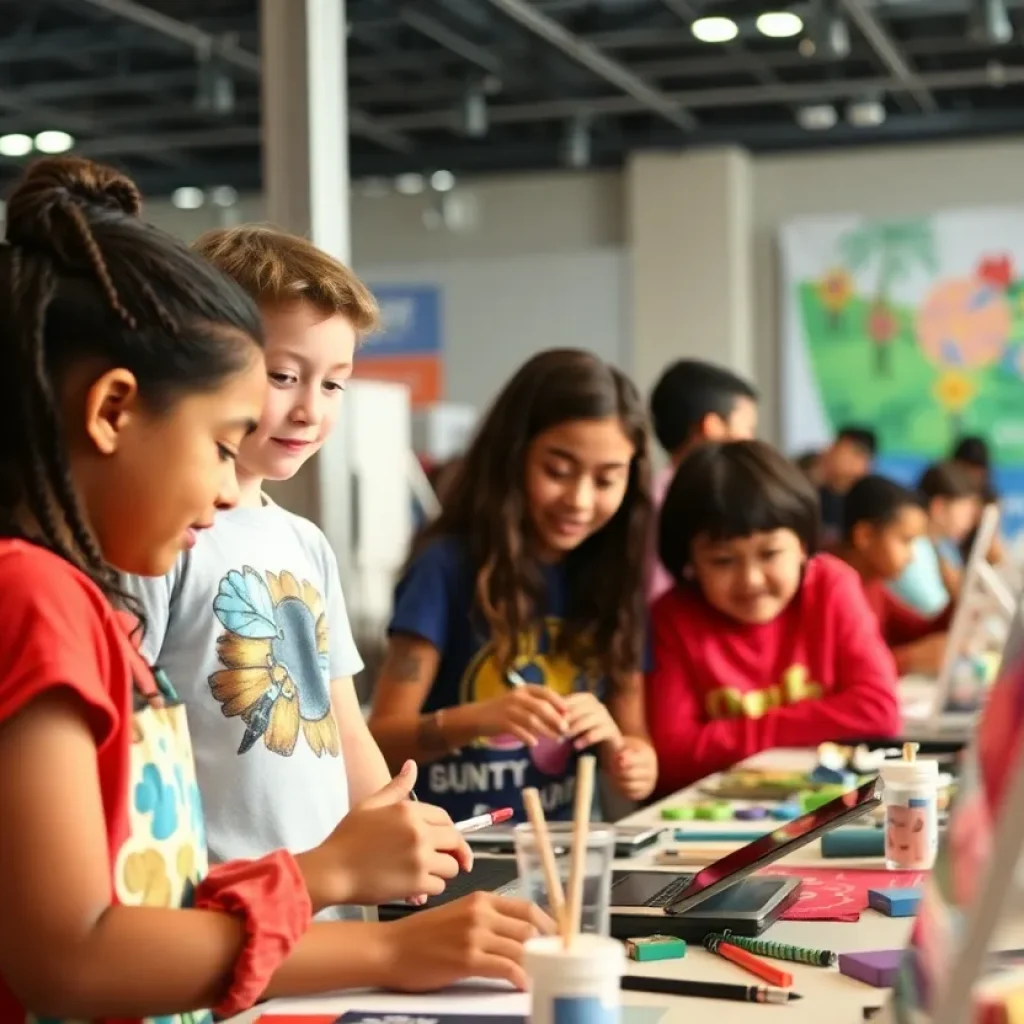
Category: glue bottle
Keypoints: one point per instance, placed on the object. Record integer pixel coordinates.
(911, 795)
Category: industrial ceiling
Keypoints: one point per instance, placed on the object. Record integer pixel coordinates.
(170, 88)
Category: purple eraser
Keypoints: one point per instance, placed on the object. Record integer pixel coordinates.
(750, 813)
(877, 968)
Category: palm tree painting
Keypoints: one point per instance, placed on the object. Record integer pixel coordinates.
(897, 248)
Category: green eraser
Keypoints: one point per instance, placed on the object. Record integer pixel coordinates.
(684, 813)
(655, 947)
(811, 800)
(719, 811)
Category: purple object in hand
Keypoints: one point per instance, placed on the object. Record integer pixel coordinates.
(876, 968)
(750, 813)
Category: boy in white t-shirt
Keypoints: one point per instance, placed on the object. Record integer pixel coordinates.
(251, 625)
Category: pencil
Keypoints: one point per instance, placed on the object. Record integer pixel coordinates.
(535, 814)
(578, 862)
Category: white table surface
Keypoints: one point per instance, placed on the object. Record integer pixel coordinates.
(828, 995)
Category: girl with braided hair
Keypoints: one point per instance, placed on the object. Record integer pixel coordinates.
(136, 371)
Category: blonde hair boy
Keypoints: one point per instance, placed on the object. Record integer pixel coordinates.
(251, 625)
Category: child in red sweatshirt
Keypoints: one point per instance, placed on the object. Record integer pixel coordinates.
(881, 521)
(761, 643)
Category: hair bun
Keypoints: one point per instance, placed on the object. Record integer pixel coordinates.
(55, 182)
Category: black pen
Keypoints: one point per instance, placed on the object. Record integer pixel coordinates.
(708, 990)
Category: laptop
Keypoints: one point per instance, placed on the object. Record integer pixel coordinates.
(974, 899)
(978, 632)
(720, 895)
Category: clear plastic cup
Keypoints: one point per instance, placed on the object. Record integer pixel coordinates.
(597, 874)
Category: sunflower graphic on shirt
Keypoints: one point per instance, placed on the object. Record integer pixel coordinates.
(276, 674)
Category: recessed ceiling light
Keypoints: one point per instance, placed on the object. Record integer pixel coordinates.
(188, 198)
(54, 142)
(865, 113)
(714, 30)
(442, 181)
(223, 195)
(779, 24)
(409, 184)
(817, 117)
(15, 144)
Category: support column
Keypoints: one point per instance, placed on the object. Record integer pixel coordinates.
(690, 228)
(306, 190)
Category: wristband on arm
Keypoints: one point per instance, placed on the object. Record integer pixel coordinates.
(270, 896)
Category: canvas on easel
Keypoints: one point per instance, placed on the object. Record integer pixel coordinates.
(973, 902)
(978, 632)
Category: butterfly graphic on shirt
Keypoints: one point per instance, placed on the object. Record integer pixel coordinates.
(276, 675)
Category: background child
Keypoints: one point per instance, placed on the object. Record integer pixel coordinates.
(883, 519)
(136, 374)
(953, 505)
(694, 402)
(517, 631)
(973, 456)
(761, 643)
(251, 624)
(841, 465)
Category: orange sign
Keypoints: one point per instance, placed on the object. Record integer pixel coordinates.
(423, 374)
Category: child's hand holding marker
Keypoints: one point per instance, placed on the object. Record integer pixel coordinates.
(389, 847)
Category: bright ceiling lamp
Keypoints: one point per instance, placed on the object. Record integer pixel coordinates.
(54, 142)
(15, 144)
(188, 197)
(817, 117)
(779, 24)
(714, 30)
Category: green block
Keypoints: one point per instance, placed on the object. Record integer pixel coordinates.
(811, 800)
(656, 947)
(684, 813)
(718, 811)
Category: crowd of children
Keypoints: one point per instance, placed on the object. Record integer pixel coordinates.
(565, 599)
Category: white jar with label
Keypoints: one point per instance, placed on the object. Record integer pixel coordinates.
(580, 983)
(911, 795)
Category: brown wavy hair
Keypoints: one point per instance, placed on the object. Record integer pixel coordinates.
(485, 505)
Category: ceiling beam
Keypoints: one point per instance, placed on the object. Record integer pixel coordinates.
(889, 54)
(698, 99)
(360, 122)
(212, 138)
(594, 60)
(453, 42)
(43, 117)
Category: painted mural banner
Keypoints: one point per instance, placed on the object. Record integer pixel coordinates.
(912, 326)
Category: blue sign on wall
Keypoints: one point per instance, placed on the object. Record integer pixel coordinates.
(1008, 482)
(411, 318)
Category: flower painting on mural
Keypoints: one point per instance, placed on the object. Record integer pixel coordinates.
(916, 329)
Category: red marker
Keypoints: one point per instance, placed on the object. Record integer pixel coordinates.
(748, 961)
(484, 820)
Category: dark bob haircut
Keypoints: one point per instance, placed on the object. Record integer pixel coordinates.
(876, 500)
(949, 480)
(725, 490)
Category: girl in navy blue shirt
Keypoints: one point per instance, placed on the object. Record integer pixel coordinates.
(517, 634)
